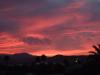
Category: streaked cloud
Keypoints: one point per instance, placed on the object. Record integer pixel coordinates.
(45, 25)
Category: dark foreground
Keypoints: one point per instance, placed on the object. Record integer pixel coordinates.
(44, 67)
(58, 65)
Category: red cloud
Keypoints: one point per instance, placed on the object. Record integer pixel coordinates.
(59, 28)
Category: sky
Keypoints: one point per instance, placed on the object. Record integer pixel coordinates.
(50, 27)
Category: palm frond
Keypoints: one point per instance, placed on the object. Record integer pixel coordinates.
(97, 48)
(92, 52)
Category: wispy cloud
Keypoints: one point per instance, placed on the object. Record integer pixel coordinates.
(45, 25)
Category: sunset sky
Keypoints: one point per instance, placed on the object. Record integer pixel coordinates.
(50, 27)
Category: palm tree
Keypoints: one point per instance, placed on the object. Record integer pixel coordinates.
(97, 50)
(93, 62)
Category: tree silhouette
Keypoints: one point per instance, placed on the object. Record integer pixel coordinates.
(43, 58)
(6, 58)
(93, 63)
(97, 50)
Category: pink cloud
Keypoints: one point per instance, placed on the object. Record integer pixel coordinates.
(49, 27)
